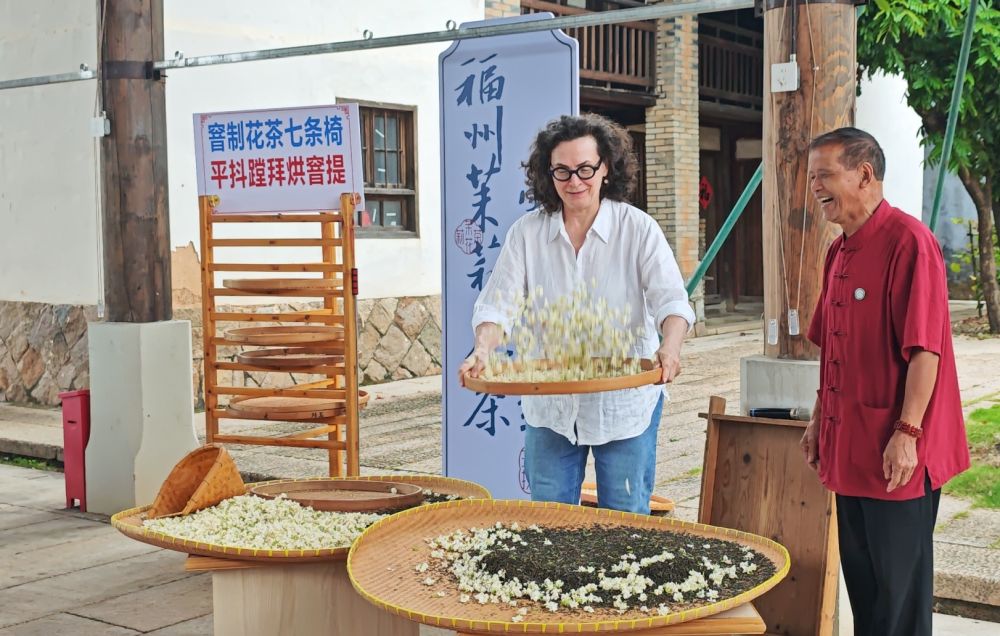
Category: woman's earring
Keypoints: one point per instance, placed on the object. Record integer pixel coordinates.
(605, 181)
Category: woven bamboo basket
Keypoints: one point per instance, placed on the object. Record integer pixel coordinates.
(202, 478)
(382, 564)
(648, 375)
(129, 522)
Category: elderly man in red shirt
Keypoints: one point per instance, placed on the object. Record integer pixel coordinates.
(887, 430)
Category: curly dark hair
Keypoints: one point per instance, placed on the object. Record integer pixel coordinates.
(614, 145)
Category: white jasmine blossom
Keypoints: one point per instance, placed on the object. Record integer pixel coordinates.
(253, 522)
(622, 586)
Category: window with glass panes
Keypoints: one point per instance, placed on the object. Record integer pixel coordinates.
(390, 181)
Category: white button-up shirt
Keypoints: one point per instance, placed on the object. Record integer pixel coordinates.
(626, 252)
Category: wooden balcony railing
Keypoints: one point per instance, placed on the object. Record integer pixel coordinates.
(730, 64)
(611, 54)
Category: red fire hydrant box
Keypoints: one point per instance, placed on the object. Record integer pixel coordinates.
(76, 434)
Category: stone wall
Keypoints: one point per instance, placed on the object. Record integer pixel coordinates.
(398, 338)
(43, 351)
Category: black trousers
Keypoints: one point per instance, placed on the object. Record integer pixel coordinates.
(887, 553)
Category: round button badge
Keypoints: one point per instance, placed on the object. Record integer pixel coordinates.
(859, 294)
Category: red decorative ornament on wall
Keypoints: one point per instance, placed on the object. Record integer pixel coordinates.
(705, 193)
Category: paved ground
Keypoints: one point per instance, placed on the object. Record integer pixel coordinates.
(67, 571)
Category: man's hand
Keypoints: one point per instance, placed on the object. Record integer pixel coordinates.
(810, 444)
(899, 460)
(668, 358)
(474, 365)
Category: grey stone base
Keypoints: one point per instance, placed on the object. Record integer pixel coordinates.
(43, 350)
(43, 347)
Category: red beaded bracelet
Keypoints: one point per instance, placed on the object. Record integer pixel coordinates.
(909, 429)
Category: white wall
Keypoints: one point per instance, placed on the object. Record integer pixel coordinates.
(408, 75)
(48, 205)
(883, 112)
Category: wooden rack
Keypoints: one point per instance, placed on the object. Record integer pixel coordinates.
(336, 357)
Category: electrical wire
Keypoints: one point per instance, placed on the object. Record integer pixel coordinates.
(96, 155)
(805, 198)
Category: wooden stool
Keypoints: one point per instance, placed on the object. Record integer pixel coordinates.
(257, 598)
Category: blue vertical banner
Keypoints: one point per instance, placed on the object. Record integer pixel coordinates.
(496, 94)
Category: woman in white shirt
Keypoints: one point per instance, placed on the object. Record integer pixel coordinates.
(580, 172)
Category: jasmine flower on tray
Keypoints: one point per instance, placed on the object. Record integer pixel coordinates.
(252, 522)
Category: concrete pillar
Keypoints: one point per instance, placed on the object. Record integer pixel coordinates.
(777, 383)
(672, 154)
(142, 418)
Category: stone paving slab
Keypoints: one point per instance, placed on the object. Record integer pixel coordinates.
(156, 607)
(967, 573)
(201, 626)
(65, 623)
(90, 547)
(59, 533)
(973, 527)
(12, 516)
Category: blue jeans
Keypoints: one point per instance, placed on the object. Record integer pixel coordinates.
(626, 468)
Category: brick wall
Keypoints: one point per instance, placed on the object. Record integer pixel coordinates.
(672, 141)
(502, 8)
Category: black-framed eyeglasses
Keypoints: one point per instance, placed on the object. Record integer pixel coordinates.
(584, 172)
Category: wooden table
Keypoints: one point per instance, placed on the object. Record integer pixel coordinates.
(260, 598)
(317, 598)
(739, 620)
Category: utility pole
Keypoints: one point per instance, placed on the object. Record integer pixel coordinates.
(142, 420)
(134, 163)
(822, 37)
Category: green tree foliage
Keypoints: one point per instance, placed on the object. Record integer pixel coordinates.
(920, 40)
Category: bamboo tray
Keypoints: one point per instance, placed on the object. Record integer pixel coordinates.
(289, 357)
(648, 375)
(436, 483)
(285, 408)
(129, 523)
(285, 335)
(280, 285)
(382, 560)
(345, 495)
(657, 505)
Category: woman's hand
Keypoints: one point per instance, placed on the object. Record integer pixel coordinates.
(487, 340)
(473, 366)
(667, 358)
